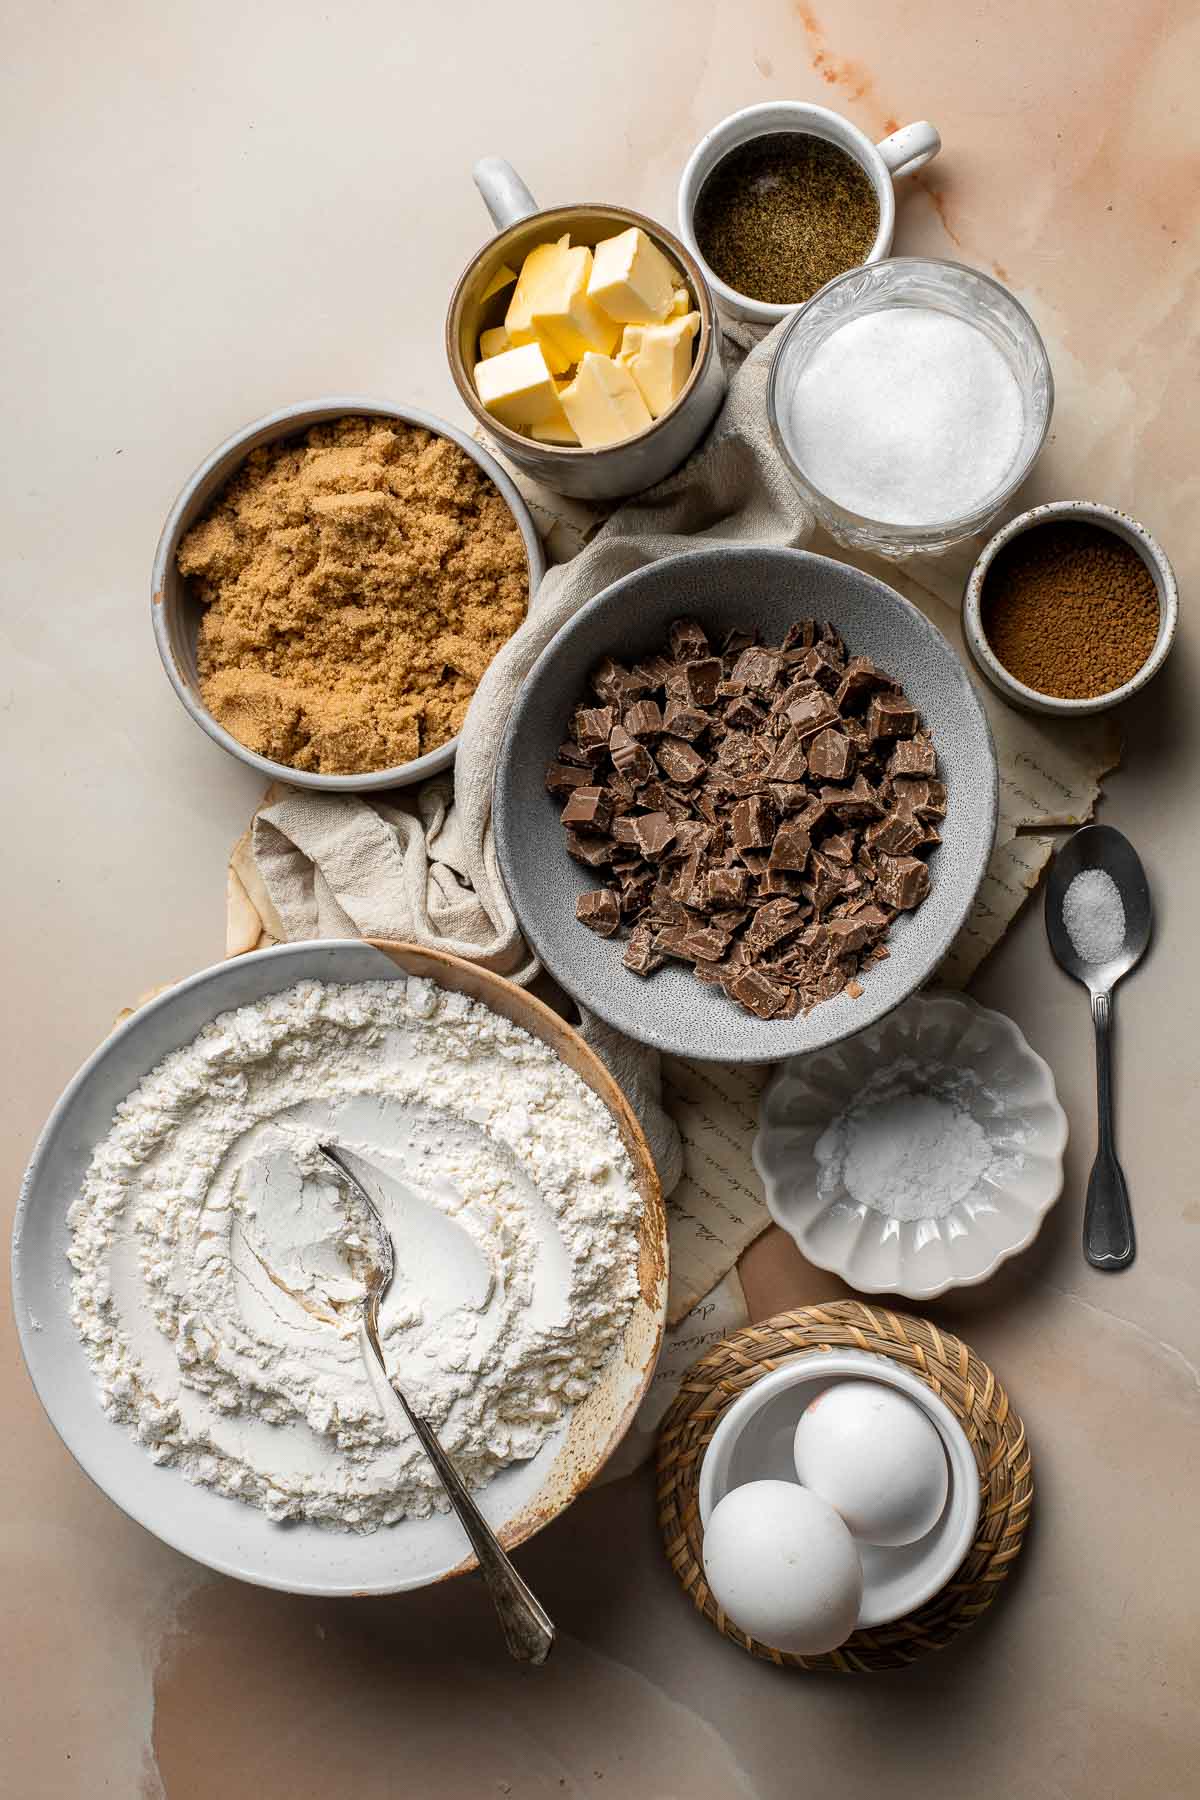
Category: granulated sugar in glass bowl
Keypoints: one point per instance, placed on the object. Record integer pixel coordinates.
(917, 1156)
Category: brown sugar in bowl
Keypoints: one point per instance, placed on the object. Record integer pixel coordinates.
(1105, 518)
(176, 611)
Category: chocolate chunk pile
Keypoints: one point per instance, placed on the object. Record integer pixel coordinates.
(758, 811)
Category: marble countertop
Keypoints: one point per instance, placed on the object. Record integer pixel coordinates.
(212, 211)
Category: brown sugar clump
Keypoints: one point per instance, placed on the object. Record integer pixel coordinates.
(1070, 609)
(356, 584)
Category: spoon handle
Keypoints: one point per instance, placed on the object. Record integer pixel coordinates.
(1108, 1240)
(528, 1630)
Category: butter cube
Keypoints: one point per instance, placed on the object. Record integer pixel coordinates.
(632, 279)
(518, 389)
(496, 341)
(603, 403)
(659, 357)
(550, 307)
(682, 303)
(504, 277)
(554, 433)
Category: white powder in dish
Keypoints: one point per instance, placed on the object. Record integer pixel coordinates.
(908, 416)
(913, 1145)
(1094, 915)
(206, 1255)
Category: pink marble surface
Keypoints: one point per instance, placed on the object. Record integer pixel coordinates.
(214, 210)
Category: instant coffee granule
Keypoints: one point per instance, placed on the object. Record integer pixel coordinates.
(356, 583)
(1070, 609)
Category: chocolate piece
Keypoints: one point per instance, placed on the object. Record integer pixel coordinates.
(564, 778)
(630, 759)
(831, 756)
(913, 756)
(594, 851)
(736, 641)
(772, 923)
(759, 994)
(801, 635)
(593, 725)
(679, 762)
(640, 954)
(624, 793)
(704, 943)
(891, 716)
(809, 715)
(856, 804)
(902, 882)
(653, 833)
(653, 671)
(790, 761)
(688, 640)
(789, 796)
(696, 683)
(744, 713)
(599, 911)
(839, 848)
(643, 719)
(684, 721)
(636, 890)
(756, 668)
(791, 847)
(727, 887)
(753, 823)
(895, 834)
(613, 682)
(692, 838)
(823, 665)
(583, 757)
(588, 809)
(861, 679)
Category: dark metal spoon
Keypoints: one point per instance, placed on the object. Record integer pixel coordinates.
(1108, 1239)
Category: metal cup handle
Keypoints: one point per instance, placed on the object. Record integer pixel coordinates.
(505, 195)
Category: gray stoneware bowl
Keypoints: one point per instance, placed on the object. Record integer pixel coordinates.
(725, 588)
(177, 613)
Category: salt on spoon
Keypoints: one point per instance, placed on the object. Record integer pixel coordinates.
(1098, 921)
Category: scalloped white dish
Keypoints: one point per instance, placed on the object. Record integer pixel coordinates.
(934, 1044)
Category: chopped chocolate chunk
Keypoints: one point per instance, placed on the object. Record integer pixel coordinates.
(584, 757)
(902, 882)
(705, 943)
(856, 803)
(736, 641)
(861, 679)
(800, 636)
(653, 671)
(809, 715)
(683, 721)
(791, 847)
(759, 994)
(630, 758)
(744, 713)
(772, 923)
(727, 887)
(643, 719)
(688, 640)
(891, 716)
(653, 834)
(895, 834)
(599, 911)
(823, 665)
(790, 761)
(913, 756)
(756, 668)
(696, 683)
(624, 829)
(753, 823)
(588, 809)
(839, 848)
(789, 796)
(594, 851)
(593, 725)
(680, 762)
(613, 682)
(640, 954)
(831, 756)
(564, 778)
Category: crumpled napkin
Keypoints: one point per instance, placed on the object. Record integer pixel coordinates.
(423, 868)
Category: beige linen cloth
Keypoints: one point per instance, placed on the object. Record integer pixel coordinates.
(321, 865)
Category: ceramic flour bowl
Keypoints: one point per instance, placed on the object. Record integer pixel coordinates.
(936, 1044)
(743, 588)
(237, 1539)
(176, 612)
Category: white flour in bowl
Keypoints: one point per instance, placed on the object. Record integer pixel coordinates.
(205, 1249)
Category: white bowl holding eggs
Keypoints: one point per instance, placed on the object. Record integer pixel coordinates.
(755, 1442)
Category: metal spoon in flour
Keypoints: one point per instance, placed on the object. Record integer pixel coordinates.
(1108, 1238)
(527, 1628)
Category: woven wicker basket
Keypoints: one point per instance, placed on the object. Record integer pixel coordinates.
(952, 1370)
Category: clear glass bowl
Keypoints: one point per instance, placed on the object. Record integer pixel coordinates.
(947, 287)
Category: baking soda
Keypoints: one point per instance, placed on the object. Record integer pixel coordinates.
(1094, 916)
(907, 416)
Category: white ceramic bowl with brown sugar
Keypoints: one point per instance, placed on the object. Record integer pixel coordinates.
(177, 611)
(1084, 512)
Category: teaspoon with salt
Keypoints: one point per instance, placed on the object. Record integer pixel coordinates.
(1098, 918)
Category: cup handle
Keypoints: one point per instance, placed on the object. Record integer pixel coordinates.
(908, 149)
(504, 193)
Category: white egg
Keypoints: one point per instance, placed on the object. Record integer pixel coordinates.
(784, 1567)
(876, 1458)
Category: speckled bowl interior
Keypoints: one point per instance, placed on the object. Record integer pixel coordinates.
(726, 587)
(945, 1043)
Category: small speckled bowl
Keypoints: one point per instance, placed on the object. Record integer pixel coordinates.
(1087, 512)
(937, 1044)
(176, 612)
